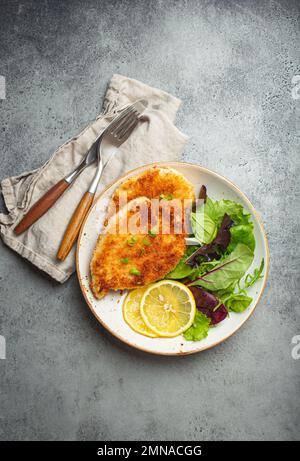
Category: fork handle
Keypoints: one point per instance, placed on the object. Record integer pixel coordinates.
(74, 226)
(41, 206)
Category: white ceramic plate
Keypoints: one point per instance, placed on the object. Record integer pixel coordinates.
(109, 309)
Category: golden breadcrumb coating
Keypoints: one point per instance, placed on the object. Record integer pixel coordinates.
(125, 260)
(156, 182)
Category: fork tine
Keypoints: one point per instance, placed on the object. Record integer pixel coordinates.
(120, 128)
(126, 132)
(119, 118)
(124, 123)
(130, 124)
(137, 107)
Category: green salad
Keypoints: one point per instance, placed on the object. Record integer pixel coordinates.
(215, 270)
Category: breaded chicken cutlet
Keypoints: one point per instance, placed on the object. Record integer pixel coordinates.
(129, 259)
(126, 261)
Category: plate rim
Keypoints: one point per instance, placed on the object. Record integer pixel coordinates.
(173, 164)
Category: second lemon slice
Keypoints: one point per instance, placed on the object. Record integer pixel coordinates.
(168, 308)
(132, 315)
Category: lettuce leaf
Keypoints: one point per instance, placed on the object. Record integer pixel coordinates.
(207, 222)
(199, 329)
(218, 245)
(182, 270)
(204, 227)
(242, 233)
(226, 274)
(233, 209)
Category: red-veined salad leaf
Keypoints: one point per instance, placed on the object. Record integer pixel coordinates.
(223, 236)
(228, 272)
(214, 270)
(217, 315)
(204, 298)
(220, 242)
(209, 305)
(203, 193)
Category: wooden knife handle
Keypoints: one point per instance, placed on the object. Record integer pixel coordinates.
(41, 206)
(74, 226)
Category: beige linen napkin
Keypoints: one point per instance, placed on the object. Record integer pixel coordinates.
(155, 139)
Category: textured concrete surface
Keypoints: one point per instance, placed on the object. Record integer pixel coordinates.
(232, 63)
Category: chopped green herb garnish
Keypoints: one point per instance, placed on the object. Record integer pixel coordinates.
(153, 232)
(132, 241)
(166, 197)
(134, 271)
(124, 260)
(146, 242)
(142, 251)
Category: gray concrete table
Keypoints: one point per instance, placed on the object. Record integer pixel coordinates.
(232, 64)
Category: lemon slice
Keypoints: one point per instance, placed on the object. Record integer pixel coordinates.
(132, 314)
(168, 308)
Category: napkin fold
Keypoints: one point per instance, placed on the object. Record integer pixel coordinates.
(155, 139)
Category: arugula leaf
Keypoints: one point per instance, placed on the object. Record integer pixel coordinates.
(199, 329)
(237, 302)
(182, 270)
(205, 266)
(251, 279)
(202, 269)
(228, 272)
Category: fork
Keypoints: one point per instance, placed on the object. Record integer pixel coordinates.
(41, 206)
(112, 137)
